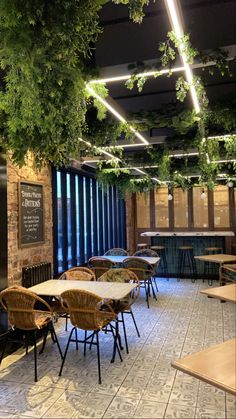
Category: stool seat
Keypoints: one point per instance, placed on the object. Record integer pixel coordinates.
(157, 247)
(185, 247)
(212, 249)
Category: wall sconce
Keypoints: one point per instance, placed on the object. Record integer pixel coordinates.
(203, 194)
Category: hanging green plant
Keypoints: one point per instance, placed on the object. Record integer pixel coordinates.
(135, 8)
(101, 90)
(43, 47)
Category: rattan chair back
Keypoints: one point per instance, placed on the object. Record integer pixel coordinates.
(79, 273)
(87, 311)
(146, 252)
(116, 251)
(140, 267)
(100, 265)
(19, 303)
(124, 276)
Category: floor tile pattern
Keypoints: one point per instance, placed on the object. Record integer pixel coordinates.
(144, 385)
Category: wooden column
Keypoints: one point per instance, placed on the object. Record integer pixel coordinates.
(131, 222)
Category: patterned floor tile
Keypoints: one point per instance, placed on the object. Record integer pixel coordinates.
(181, 321)
(178, 412)
(150, 410)
(209, 414)
(121, 407)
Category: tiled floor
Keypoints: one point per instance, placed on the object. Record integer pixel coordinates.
(180, 322)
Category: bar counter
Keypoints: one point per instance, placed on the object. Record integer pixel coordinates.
(200, 240)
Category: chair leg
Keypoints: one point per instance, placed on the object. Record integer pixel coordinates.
(66, 326)
(90, 346)
(125, 335)
(85, 337)
(153, 292)
(35, 358)
(53, 333)
(135, 324)
(115, 340)
(155, 283)
(67, 347)
(44, 340)
(4, 348)
(76, 339)
(115, 343)
(147, 293)
(98, 356)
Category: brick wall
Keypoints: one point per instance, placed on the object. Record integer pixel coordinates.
(19, 257)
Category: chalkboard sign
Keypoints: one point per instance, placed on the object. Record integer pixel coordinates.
(31, 214)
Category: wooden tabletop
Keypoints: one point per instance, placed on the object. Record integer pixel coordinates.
(226, 292)
(120, 259)
(218, 258)
(215, 365)
(55, 287)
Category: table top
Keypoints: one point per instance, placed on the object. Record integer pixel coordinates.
(120, 259)
(217, 258)
(55, 287)
(215, 365)
(226, 292)
(186, 233)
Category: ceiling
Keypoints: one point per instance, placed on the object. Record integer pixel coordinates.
(211, 25)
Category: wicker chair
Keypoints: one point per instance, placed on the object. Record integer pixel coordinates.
(116, 251)
(124, 306)
(100, 265)
(144, 271)
(20, 303)
(88, 312)
(149, 253)
(79, 273)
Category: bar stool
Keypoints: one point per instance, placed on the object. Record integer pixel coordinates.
(161, 250)
(186, 260)
(208, 266)
(142, 246)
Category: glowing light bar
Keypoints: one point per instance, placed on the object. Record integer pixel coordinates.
(115, 113)
(177, 27)
(128, 76)
(225, 161)
(194, 153)
(131, 168)
(99, 149)
(221, 136)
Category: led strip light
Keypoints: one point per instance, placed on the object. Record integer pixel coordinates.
(177, 27)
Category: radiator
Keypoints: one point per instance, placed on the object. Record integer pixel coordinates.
(34, 274)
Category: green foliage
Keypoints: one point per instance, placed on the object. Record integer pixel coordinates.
(135, 8)
(101, 90)
(43, 47)
(164, 167)
(182, 87)
(230, 146)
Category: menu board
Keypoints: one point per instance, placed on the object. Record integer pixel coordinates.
(31, 214)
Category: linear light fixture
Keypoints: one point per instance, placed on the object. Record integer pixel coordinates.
(225, 136)
(194, 153)
(99, 149)
(132, 168)
(116, 114)
(177, 27)
(224, 161)
(144, 74)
